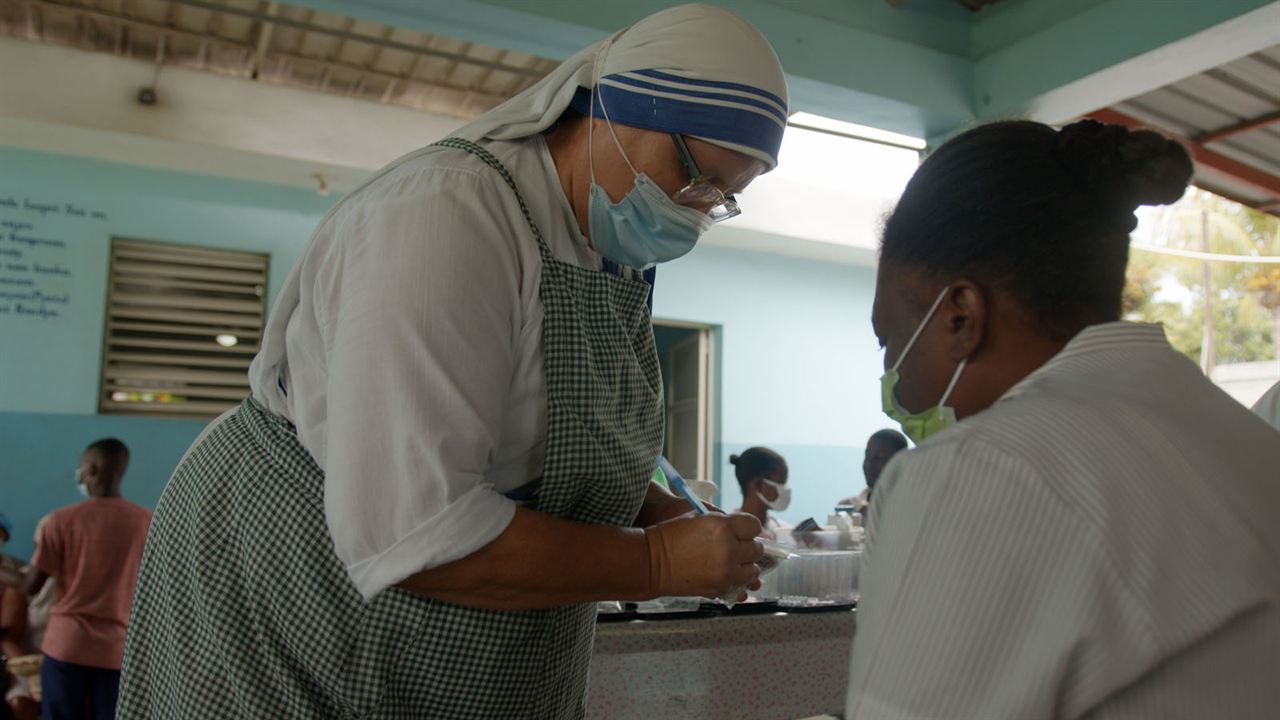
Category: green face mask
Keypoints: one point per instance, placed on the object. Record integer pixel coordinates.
(928, 422)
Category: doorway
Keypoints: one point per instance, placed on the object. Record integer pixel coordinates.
(686, 354)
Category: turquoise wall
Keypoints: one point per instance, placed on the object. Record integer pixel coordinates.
(797, 363)
(42, 450)
(49, 365)
(799, 367)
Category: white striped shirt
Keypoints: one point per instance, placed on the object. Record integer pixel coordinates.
(1268, 406)
(1102, 543)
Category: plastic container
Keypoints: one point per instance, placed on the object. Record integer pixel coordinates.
(829, 539)
(814, 577)
(665, 605)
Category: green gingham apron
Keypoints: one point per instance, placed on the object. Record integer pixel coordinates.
(243, 609)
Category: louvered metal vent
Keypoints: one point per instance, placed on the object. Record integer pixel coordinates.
(183, 324)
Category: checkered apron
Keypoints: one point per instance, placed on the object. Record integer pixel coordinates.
(243, 609)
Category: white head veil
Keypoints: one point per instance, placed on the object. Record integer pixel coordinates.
(695, 69)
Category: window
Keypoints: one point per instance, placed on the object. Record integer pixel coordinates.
(1208, 268)
(183, 323)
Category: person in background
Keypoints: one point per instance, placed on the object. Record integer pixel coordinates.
(13, 613)
(13, 609)
(762, 475)
(13, 635)
(41, 604)
(1268, 406)
(25, 635)
(93, 549)
(1086, 527)
(881, 447)
(11, 568)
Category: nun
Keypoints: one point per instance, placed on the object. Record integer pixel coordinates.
(456, 411)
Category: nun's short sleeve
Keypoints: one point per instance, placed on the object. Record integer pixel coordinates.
(419, 330)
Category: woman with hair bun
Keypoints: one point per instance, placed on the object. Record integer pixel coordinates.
(1086, 528)
(762, 475)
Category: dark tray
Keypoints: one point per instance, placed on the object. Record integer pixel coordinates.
(843, 607)
(766, 607)
(617, 617)
(680, 615)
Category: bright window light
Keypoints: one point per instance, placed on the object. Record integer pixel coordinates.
(227, 340)
(828, 188)
(862, 132)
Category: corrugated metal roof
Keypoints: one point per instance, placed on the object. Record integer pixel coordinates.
(1233, 111)
(286, 45)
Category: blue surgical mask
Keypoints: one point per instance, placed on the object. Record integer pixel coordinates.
(931, 421)
(80, 486)
(646, 226)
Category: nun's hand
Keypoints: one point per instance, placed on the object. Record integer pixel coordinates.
(712, 556)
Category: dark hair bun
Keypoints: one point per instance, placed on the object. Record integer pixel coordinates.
(733, 459)
(1134, 167)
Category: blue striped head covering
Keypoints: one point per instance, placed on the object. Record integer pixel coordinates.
(697, 70)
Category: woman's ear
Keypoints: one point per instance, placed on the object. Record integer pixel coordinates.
(965, 314)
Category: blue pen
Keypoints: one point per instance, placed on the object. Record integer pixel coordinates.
(677, 482)
(774, 552)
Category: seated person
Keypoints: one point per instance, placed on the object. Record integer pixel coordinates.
(10, 567)
(22, 625)
(13, 635)
(762, 475)
(1086, 528)
(881, 447)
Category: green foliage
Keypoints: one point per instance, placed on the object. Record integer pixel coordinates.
(1246, 296)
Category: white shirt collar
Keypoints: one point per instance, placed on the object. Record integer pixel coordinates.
(1095, 339)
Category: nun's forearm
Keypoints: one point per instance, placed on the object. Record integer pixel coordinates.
(540, 561)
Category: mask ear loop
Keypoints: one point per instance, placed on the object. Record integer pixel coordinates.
(597, 96)
(597, 71)
(764, 482)
(955, 379)
(591, 114)
(920, 328)
(609, 124)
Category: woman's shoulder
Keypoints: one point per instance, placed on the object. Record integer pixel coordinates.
(447, 171)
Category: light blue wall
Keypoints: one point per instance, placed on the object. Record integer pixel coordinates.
(52, 365)
(797, 363)
(42, 450)
(49, 367)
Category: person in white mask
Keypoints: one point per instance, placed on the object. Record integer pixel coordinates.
(1087, 526)
(762, 474)
(457, 410)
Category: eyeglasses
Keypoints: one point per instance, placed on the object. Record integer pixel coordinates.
(700, 193)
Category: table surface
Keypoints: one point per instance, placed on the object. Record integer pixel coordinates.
(751, 667)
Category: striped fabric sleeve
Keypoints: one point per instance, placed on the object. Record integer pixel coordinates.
(984, 596)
